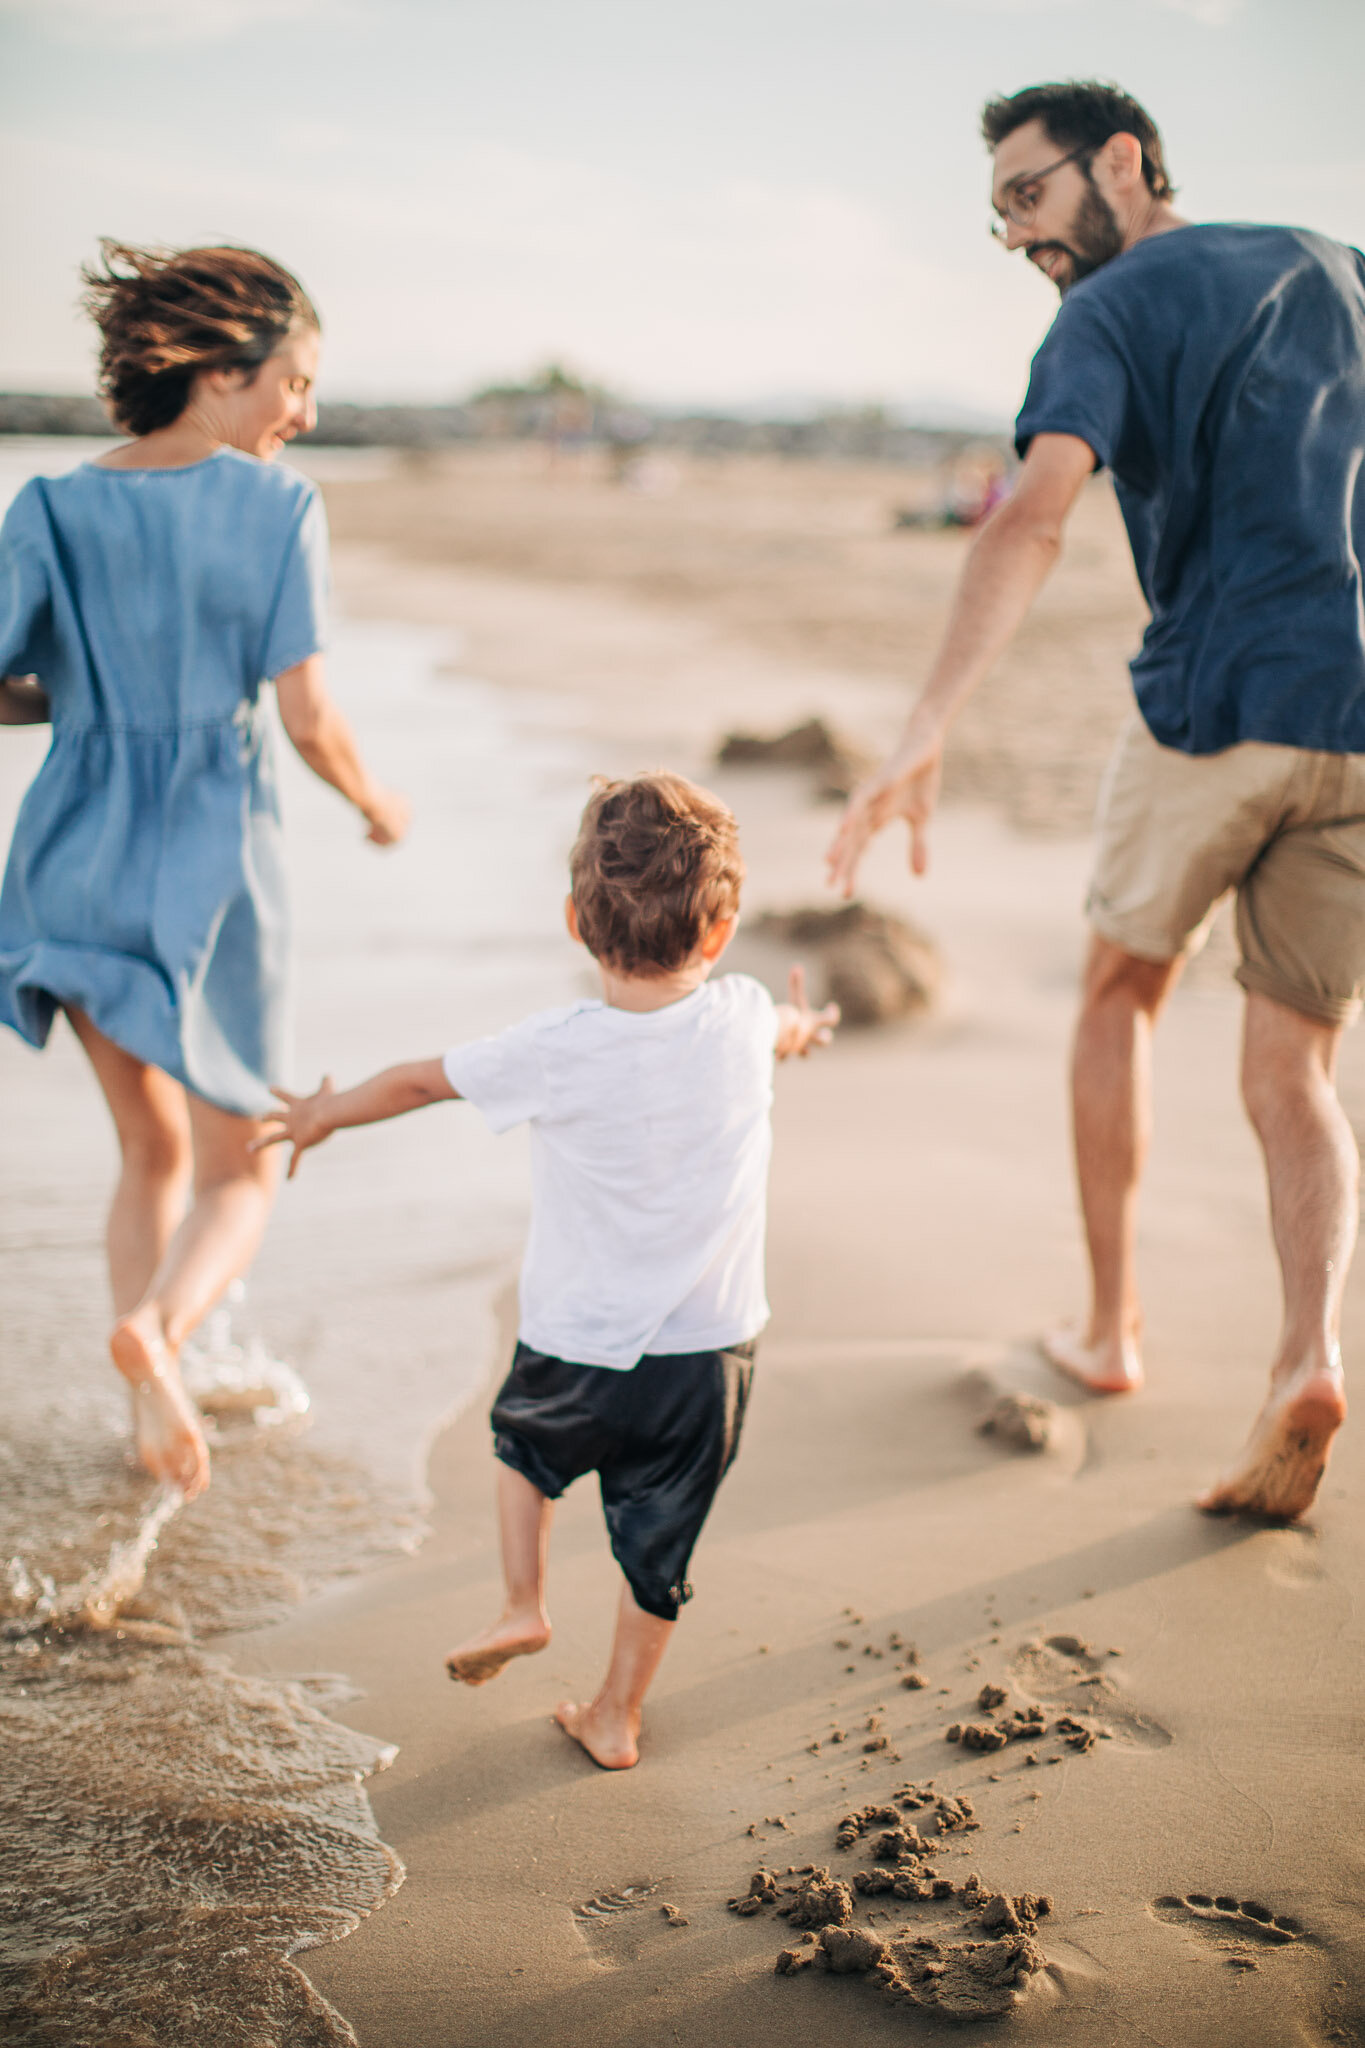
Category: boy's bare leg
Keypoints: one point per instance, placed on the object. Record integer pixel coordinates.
(608, 1727)
(1111, 1107)
(523, 1627)
(1313, 1173)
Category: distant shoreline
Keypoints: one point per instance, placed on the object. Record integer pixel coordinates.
(856, 434)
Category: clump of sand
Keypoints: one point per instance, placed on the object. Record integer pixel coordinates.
(1025, 1422)
(874, 966)
(961, 1978)
(835, 760)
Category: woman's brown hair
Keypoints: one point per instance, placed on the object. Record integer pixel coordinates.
(656, 863)
(165, 315)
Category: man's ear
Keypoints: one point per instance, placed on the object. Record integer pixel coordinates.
(719, 937)
(1121, 157)
(571, 920)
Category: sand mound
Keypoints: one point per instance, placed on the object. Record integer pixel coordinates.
(875, 967)
(967, 1980)
(1023, 1421)
(963, 1980)
(836, 761)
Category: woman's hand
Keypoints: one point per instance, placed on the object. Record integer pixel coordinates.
(388, 816)
(325, 741)
(798, 1026)
(303, 1123)
(905, 786)
(23, 701)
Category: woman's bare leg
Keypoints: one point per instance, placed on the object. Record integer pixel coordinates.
(608, 1727)
(191, 1261)
(153, 1129)
(216, 1242)
(523, 1627)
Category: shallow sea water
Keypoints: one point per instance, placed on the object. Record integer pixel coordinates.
(172, 1833)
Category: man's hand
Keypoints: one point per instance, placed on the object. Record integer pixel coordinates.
(905, 786)
(1007, 565)
(798, 1026)
(303, 1123)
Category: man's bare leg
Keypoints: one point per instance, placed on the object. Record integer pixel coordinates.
(1121, 999)
(608, 1727)
(1313, 1174)
(523, 1627)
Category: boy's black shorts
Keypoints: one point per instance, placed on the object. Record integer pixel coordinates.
(660, 1438)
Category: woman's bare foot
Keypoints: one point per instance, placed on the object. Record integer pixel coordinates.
(170, 1442)
(1114, 1367)
(1286, 1454)
(519, 1633)
(610, 1739)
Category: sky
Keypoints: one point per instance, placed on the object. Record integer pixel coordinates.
(759, 203)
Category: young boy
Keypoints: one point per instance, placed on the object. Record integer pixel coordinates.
(642, 1288)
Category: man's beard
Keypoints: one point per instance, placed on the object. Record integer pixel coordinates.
(1096, 237)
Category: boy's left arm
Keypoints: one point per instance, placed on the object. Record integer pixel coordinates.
(305, 1120)
(798, 1026)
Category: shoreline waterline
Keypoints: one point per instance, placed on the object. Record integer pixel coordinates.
(159, 1876)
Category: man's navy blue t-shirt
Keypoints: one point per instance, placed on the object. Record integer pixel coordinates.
(1219, 372)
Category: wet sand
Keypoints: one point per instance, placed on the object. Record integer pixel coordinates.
(1201, 1851)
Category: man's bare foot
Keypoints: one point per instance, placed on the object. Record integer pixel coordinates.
(1114, 1367)
(518, 1634)
(611, 1740)
(1286, 1454)
(170, 1442)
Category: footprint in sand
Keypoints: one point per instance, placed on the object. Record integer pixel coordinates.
(614, 1927)
(1224, 1915)
(1065, 1672)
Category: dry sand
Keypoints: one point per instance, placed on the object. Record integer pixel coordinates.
(1202, 1854)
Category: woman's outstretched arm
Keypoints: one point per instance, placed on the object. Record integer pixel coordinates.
(323, 738)
(23, 701)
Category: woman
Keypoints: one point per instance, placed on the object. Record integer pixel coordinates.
(144, 598)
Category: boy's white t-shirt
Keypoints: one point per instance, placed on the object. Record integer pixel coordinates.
(650, 1138)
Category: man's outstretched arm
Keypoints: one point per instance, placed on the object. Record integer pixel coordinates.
(1007, 566)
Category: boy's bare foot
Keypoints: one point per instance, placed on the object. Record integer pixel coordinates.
(482, 1657)
(611, 1740)
(1113, 1367)
(170, 1442)
(1286, 1454)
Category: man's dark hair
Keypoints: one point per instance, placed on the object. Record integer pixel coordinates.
(1081, 113)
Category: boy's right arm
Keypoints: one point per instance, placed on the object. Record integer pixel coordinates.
(306, 1120)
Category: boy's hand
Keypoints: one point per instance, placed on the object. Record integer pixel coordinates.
(798, 1026)
(303, 1122)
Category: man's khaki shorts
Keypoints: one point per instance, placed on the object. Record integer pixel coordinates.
(1283, 827)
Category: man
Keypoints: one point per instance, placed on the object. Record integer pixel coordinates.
(1219, 373)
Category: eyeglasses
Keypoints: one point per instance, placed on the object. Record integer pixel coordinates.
(1023, 193)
